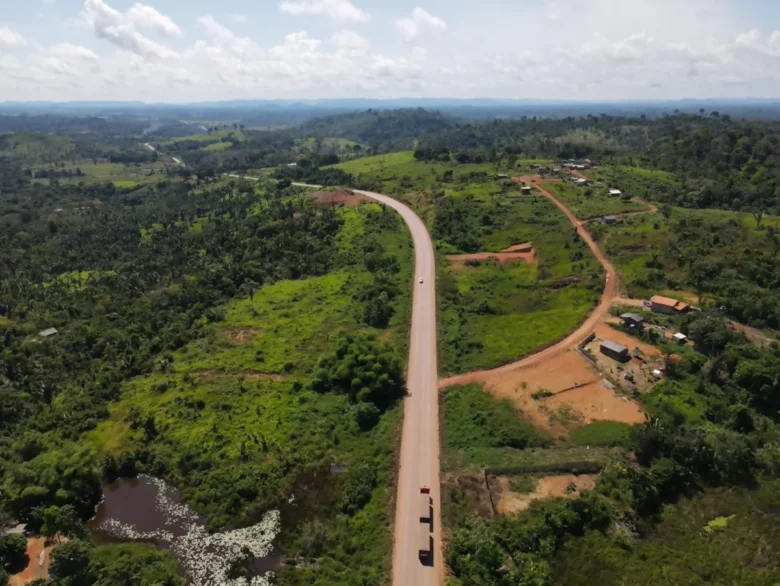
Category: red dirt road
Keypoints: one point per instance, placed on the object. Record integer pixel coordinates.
(419, 462)
(601, 310)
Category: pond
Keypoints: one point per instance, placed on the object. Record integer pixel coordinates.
(146, 508)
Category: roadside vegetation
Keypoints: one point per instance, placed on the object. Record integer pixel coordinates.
(203, 336)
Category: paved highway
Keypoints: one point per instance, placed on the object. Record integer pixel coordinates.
(419, 464)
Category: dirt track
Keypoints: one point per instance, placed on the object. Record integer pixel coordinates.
(611, 291)
(523, 252)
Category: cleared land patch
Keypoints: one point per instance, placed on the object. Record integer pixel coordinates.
(523, 252)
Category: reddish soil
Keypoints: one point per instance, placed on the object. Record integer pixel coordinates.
(547, 487)
(604, 332)
(34, 570)
(342, 197)
(523, 252)
(578, 394)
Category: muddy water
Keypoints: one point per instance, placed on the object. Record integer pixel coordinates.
(146, 508)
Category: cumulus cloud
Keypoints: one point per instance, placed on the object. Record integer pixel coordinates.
(147, 17)
(419, 23)
(239, 18)
(120, 28)
(223, 64)
(350, 40)
(10, 38)
(340, 10)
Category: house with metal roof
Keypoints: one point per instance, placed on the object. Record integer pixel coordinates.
(614, 350)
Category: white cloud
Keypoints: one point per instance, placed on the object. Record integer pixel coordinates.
(147, 17)
(239, 18)
(120, 28)
(10, 38)
(340, 10)
(774, 41)
(419, 23)
(350, 40)
(553, 10)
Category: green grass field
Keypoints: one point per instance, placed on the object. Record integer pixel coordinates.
(121, 175)
(591, 202)
(492, 314)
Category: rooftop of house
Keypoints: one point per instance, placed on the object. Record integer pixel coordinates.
(614, 346)
(633, 317)
(668, 302)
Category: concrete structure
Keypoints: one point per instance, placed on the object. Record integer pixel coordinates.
(614, 350)
(609, 220)
(667, 305)
(47, 333)
(632, 320)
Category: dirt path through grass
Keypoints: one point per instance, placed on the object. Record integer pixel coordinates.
(611, 291)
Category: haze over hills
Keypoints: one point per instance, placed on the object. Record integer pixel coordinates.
(296, 111)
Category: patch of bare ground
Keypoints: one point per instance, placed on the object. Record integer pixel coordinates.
(575, 394)
(38, 554)
(547, 487)
(517, 252)
(240, 335)
(341, 197)
(213, 374)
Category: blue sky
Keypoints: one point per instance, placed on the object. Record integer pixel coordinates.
(182, 51)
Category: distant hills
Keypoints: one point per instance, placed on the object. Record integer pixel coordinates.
(296, 111)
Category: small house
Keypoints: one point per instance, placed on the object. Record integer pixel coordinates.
(609, 220)
(581, 182)
(680, 338)
(632, 320)
(48, 333)
(502, 176)
(525, 190)
(615, 193)
(614, 350)
(292, 164)
(667, 305)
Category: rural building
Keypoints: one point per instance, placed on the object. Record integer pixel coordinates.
(581, 182)
(48, 333)
(632, 320)
(609, 220)
(615, 193)
(292, 164)
(525, 190)
(614, 350)
(680, 337)
(667, 305)
(502, 176)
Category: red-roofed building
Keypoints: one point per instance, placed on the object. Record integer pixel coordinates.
(668, 305)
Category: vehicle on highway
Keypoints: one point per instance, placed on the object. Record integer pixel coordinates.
(426, 543)
(425, 507)
(421, 281)
(426, 515)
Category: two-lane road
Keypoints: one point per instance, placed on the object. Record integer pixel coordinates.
(419, 465)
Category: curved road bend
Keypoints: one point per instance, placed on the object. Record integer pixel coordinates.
(601, 310)
(419, 463)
